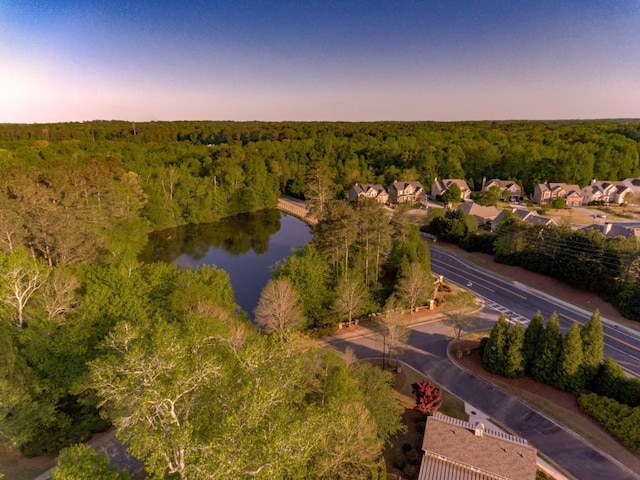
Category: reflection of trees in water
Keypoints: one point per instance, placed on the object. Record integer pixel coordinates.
(236, 235)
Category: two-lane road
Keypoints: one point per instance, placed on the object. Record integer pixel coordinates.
(520, 303)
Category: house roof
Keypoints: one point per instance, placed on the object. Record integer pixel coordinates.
(453, 449)
(479, 210)
(446, 182)
(540, 220)
(611, 230)
(503, 184)
(369, 188)
(401, 186)
(569, 189)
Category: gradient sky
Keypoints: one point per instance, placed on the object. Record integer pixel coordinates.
(76, 60)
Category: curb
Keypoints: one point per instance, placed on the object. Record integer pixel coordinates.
(569, 431)
(493, 420)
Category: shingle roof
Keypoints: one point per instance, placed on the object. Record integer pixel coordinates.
(473, 208)
(452, 445)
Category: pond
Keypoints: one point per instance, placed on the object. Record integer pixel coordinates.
(246, 246)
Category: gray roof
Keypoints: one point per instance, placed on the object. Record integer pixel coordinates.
(611, 230)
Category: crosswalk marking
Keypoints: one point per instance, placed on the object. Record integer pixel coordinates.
(512, 317)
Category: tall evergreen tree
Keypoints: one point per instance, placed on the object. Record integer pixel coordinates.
(532, 340)
(495, 350)
(546, 362)
(514, 366)
(592, 345)
(569, 375)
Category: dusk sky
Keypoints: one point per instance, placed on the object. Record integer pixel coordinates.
(77, 60)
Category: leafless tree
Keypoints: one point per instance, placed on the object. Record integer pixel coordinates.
(279, 308)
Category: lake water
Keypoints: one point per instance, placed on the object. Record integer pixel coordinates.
(247, 246)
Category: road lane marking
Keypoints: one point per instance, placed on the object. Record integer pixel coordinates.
(630, 345)
(466, 272)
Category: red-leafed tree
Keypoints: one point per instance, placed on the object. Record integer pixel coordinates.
(428, 396)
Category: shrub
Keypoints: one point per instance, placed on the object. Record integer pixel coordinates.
(428, 396)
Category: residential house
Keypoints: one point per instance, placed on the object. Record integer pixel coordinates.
(368, 191)
(523, 214)
(633, 184)
(546, 192)
(462, 450)
(611, 230)
(406, 192)
(482, 214)
(622, 191)
(511, 191)
(606, 192)
(440, 186)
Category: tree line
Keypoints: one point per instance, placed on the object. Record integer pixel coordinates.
(573, 362)
(378, 152)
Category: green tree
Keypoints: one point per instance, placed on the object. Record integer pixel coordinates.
(309, 274)
(558, 203)
(545, 363)
(336, 233)
(488, 197)
(195, 400)
(81, 462)
(21, 276)
(453, 194)
(570, 376)
(514, 356)
(494, 356)
(377, 386)
(592, 345)
(532, 340)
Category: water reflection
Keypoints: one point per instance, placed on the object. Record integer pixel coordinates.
(246, 246)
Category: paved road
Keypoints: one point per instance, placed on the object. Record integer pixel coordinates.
(427, 352)
(521, 303)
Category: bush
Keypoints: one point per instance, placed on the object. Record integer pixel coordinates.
(421, 425)
(323, 331)
(478, 242)
(618, 419)
(399, 460)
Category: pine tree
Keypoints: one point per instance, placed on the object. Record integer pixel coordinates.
(494, 351)
(570, 375)
(546, 361)
(532, 340)
(514, 358)
(592, 346)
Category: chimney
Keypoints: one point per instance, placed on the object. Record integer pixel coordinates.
(479, 431)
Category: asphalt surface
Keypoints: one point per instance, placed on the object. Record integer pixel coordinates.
(520, 303)
(427, 352)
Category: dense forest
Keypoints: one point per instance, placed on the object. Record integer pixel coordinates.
(84, 323)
